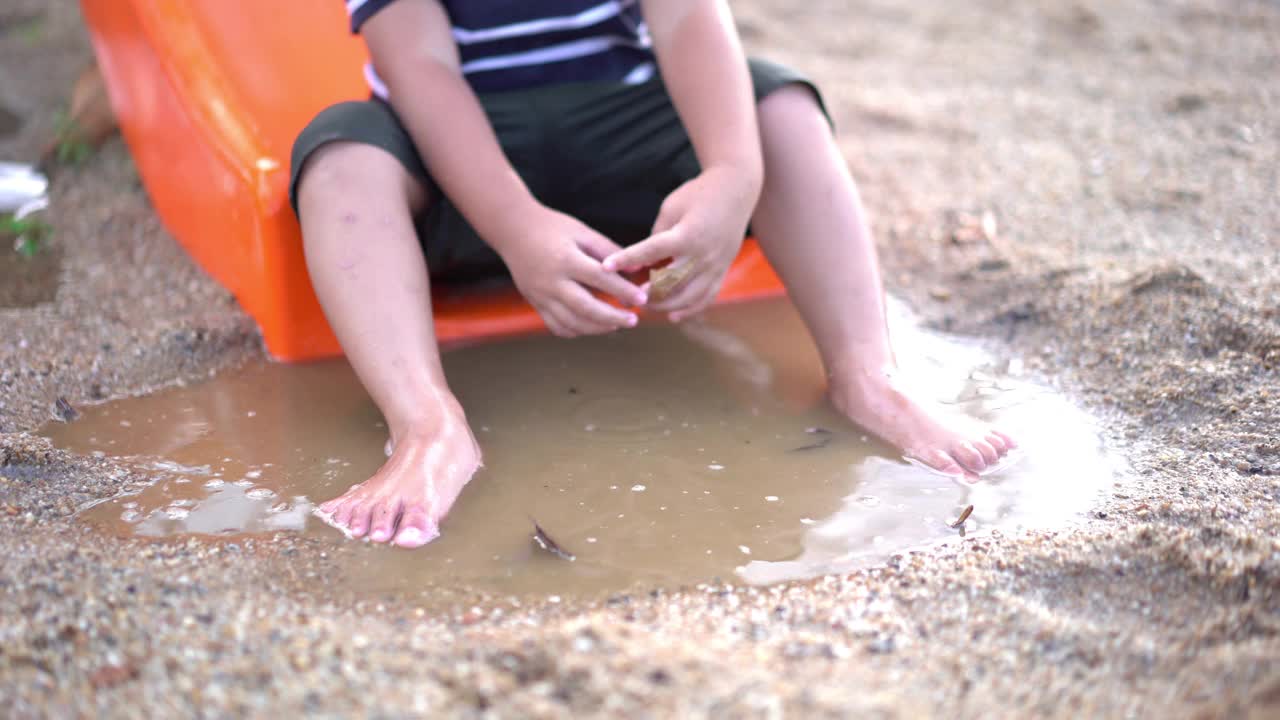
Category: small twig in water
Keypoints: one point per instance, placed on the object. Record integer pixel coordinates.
(545, 542)
(964, 515)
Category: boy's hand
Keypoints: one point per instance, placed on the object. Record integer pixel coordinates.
(700, 228)
(554, 264)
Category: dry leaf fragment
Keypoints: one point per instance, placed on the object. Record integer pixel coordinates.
(964, 515)
(545, 542)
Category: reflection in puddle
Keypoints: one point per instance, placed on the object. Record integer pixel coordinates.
(662, 455)
(1056, 474)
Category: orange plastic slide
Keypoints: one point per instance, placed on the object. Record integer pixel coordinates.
(210, 95)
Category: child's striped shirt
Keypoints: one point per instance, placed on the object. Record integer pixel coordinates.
(517, 44)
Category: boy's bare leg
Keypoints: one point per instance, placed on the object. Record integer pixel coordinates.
(811, 225)
(356, 204)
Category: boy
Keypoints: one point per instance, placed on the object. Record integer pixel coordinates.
(536, 135)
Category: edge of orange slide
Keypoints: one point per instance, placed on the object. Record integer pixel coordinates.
(209, 95)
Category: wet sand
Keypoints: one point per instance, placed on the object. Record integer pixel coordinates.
(1128, 158)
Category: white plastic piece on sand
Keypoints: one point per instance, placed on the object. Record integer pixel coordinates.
(31, 208)
(22, 189)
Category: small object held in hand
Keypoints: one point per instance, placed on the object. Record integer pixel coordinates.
(63, 411)
(663, 281)
(545, 542)
(963, 516)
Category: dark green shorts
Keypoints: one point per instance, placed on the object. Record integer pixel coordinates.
(605, 153)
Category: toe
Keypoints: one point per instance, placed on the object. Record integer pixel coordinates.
(996, 442)
(989, 454)
(943, 462)
(969, 457)
(416, 528)
(1009, 442)
(360, 516)
(383, 525)
(342, 513)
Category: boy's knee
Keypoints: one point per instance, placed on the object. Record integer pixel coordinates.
(335, 167)
(789, 100)
(344, 169)
(351, 148)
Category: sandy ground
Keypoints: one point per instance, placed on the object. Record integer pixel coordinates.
(1128, 155)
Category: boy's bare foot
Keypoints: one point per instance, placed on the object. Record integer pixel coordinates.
(404, 502)
(947, 442)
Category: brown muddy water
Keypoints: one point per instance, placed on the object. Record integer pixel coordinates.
(661, 456)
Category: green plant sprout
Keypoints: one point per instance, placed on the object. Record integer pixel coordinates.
(29, 234)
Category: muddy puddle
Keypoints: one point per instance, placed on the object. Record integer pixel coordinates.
(660, 456)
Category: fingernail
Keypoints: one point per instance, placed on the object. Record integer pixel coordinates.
(632, 320)
(642, 299)
(610, 265)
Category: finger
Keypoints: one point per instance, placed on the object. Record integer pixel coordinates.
(649, 251)
(669, 214)
(552, 317)
(596, 315)
(570, 323)
(697, 307)
(597, 246)
(593, 274)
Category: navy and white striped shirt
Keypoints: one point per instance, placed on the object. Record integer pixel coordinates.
(517, 44)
